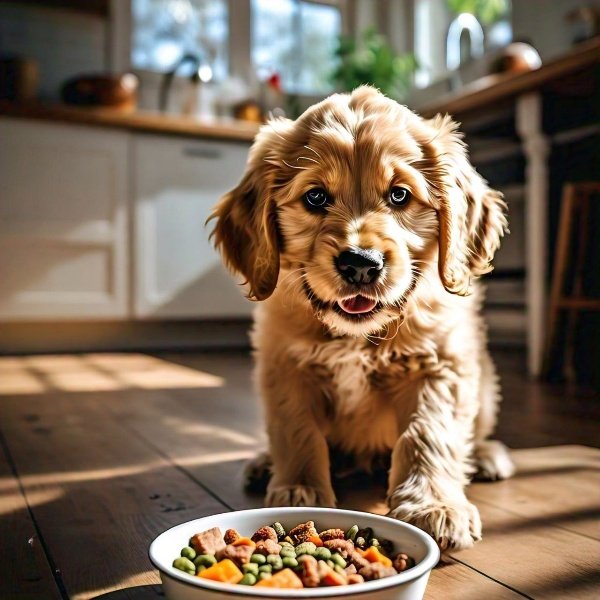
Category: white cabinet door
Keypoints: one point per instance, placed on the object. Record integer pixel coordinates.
(178, 274)
(63, 221)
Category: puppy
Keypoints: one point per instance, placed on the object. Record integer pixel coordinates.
(362, 228)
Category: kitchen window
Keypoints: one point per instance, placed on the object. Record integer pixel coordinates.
(163, 31)
(294, 38)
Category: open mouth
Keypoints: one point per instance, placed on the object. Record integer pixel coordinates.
(357, 305)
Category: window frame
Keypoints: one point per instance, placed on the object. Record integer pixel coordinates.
(239, 43)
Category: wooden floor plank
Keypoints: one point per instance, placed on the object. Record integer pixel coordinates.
(557, 486)
(104, 493)
(535, 556)
(26, 573)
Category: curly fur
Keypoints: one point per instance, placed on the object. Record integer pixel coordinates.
(414, 377)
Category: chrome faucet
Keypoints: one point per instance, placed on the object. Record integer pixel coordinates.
(202, 73)
(463, 22)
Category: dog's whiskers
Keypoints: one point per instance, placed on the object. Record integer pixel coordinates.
(307, 158)
(287, 164)
(313, 150)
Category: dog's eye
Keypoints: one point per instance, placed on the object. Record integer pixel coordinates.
(399, 196)
(317, 198)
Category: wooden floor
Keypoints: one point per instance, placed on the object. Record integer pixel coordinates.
(100, 453)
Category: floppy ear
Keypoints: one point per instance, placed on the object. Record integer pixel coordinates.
(472, 216)
(246, 223)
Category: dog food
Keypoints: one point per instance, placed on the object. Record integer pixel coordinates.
(298, 558)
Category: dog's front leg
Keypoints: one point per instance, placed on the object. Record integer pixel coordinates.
(431, 463)
(299, 451)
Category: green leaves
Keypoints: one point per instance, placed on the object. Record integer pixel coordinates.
(373, 61)
(487, 11)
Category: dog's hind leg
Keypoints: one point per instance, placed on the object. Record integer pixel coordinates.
(258, 472)
(491, 457)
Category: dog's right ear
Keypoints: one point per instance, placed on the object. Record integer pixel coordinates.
(246, 221)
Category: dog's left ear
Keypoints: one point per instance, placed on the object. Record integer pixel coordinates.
(246, 222)
(472, 216)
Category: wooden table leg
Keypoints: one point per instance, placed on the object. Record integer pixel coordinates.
(536, 147)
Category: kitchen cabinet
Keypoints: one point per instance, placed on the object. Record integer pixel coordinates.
(63, 221)
(177, 273)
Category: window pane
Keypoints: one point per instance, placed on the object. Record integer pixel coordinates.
(297, 40)
(321, 26)
(165, 30)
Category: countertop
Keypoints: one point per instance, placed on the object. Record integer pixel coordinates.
(144, 121)
(496, 88)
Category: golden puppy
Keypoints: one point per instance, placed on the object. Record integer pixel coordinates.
(362, 228)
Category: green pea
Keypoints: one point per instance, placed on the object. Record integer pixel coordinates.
(287, 551)
(279, 530)
(330, 563)
(259, 559)
(265, 569)
(206, 560)
(351, 533)
(305, 548)
(339, 570)
(185, 565)
(200, 569)
(188, 553)
(290, 562)
(322, 553)
(338, 560)
(250, 568)
(275, 561)
(285, 544)
(264, 575)
(248, 579)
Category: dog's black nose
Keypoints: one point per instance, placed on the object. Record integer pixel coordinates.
(359, 265)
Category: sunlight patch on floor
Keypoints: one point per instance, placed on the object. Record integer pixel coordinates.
(97, 373)
(11, 499)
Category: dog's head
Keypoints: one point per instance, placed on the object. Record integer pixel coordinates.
(357, 201)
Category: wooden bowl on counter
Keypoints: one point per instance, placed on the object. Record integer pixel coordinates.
(114, 91)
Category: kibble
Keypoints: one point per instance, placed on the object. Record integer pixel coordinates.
(337, 555)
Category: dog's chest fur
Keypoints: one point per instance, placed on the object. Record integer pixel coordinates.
(369, 399)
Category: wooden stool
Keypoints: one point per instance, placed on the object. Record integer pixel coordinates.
(575, 207)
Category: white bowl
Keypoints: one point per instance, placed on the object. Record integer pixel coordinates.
(409, 585)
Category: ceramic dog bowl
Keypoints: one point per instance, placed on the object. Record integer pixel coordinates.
(409, 585)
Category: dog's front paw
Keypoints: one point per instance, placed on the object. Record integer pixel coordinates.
(298, 495)
(454, 526)
(493, 461)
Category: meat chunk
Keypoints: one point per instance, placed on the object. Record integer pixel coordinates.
(303, 532)
(344, 547)
(265, 533)
(403, 562)
(357, 560)
(267, 547)
(231, 535)
(240, 555)
(208, 542)
(332, 534)
(310, 571)
(376, 571)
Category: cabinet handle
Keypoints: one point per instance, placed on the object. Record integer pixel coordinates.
(200, 152)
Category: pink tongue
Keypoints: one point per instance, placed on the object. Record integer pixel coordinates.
(357, 305)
